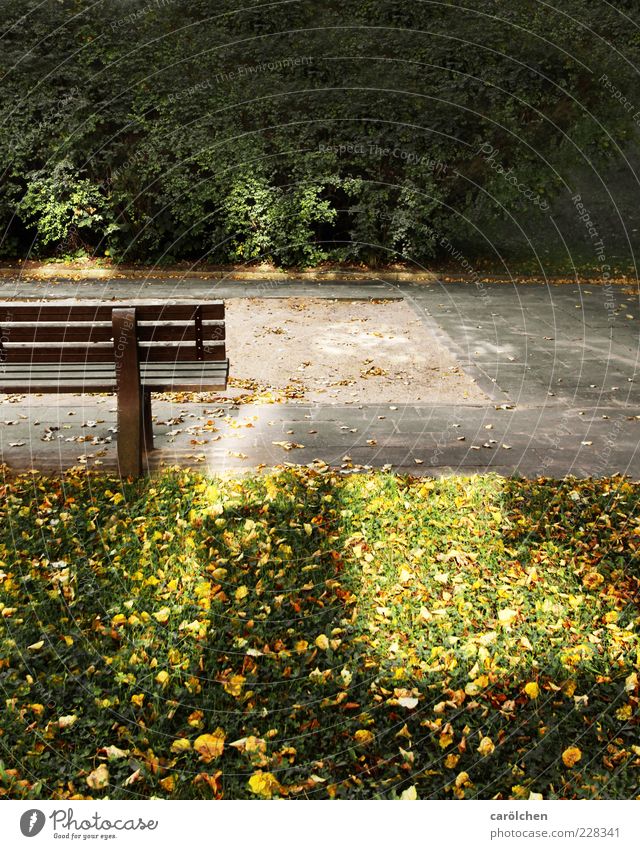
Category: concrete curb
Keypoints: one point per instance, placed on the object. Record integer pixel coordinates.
(46, 272)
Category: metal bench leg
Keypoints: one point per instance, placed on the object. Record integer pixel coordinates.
(130, 429)
(147, 424)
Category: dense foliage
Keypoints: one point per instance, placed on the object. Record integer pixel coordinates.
(297, 131)
(306, 634)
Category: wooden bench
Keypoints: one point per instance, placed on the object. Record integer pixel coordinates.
(133, 349)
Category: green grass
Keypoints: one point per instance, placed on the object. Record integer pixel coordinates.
(306, 634)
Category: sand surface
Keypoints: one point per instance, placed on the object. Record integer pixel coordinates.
(340, 351)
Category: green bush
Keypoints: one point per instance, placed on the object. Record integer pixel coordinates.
(302, 132)
(62, 205)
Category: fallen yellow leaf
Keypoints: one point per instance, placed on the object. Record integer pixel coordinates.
(162, 615)
(506, 616)
(168, 783)
(445, 740)
(234, 685)
(461, 779)
(210, 746)
(264, 784)
(99, 778)
(486, 747)
(410, 793)
(532, 690)
(571, 756)
(363, 737)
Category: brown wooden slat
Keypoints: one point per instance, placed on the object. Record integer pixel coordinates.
(214, 332)
(97, 352)
(93, 354)
(164, 354)
(104, 333)
(213, 310)
(64, 333)
(13, 311)
(57, 312)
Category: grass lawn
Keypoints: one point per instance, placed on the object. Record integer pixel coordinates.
(306, 634)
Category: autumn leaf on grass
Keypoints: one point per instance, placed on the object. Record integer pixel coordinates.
(251, 745)
(462, 779)
(486, 747)
(506, 616)
(446, 738)
(99, 778)
(264, 784)
(571, 756)
(363, 737)
(113, 753)
(162, 615)
(406, 699)
(625, 712)
(213, 781)
(461, 558)
(210, 746)
(234, 685)
(475, 687)
(532, 690)
(168, 783)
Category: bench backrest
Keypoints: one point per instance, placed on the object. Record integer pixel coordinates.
(177, 331)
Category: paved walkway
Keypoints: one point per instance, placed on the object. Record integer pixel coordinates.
(559, 367)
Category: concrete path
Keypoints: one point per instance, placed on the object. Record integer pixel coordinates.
(558, 367)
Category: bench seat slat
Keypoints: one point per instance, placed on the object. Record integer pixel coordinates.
(62, 332)
(184, 377)
(212, 352)
(145, 311)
